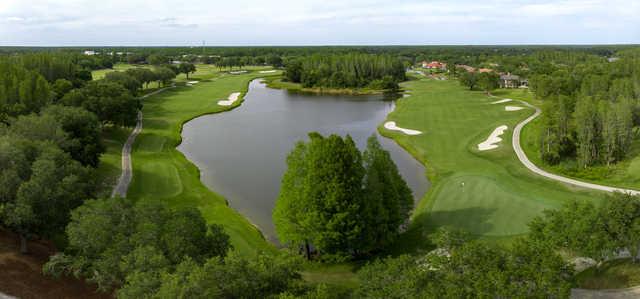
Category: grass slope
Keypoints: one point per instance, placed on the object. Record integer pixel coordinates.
(489, 194)
(162, 173)
(625, 174)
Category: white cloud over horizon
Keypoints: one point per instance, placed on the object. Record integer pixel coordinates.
(317, 22)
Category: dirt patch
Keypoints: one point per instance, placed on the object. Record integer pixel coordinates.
(21, 275)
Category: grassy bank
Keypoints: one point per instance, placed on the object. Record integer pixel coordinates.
(278, 83)
(488, 193)
(162, 173)
(625, 174)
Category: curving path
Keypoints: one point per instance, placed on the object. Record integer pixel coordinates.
(125, 177)
(527, 163)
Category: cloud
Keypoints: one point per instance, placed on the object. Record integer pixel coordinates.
(173, 23)
(319, 21)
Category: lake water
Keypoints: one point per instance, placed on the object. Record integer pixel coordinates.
(241, 153)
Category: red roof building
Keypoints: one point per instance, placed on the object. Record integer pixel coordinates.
(434, 65)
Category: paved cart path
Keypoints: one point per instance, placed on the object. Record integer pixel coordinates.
(528, 164)
(125, 177)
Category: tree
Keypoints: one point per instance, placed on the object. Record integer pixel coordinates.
(488, 81)
(352, 70)
(73, 129)
(62, 87)
(143, 75)
(468, 79)
(129, 82)
(155, 59)
(335, 202)
(113, 242)
(232, 277)
(332, 174)
(588, 129)
(164, 75)
(450, 238)
(608, 228)
(40, 185)
(388, 198)
(399, 278)
(274, 60)
(187, 68)
(109, 101)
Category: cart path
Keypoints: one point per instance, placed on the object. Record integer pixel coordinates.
(528, 164)
(125, 177)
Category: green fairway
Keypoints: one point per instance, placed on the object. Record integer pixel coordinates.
(488, 193)
(625, 174)
(162, 173)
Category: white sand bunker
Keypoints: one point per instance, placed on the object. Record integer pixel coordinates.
(237, 72)
(502, 101)
(513, 108)
(391, 125)
(230, 100)
(267, 72)
(193, 82)
(493, 139)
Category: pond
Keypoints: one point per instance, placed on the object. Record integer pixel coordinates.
(241, 153)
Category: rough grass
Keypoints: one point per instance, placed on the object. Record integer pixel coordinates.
(614, 274)
(499, 195)
(625, 174)
(110, 166)
(161, 173)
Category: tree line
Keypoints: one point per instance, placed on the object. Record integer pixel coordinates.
(51, 120)
(346, 71)
(590, 110)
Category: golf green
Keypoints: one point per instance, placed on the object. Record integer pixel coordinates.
(488, 193)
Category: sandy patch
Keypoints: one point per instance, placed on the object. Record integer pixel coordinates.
(502, 101)
(493, 139)
(268, 72)
(237, 72)
(391, 125)
(230, 100)
(513, 108)
(193, 82)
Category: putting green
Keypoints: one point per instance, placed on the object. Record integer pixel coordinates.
(499, 196)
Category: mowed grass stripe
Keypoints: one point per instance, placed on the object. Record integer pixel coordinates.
(499, 196)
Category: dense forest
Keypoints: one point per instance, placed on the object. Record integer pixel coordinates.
(346, 71)
(591, 107)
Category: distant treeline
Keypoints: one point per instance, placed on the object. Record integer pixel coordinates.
(346, 71)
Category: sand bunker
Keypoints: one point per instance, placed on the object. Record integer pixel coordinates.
(230, 100)
(513, 108)
(502, 101)
(193, 82)
(237, 72)
(493, 139)
(268, 72)
(391, 125)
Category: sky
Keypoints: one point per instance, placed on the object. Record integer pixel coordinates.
(316, 22)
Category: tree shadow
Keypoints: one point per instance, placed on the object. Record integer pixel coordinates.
(416, 238)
